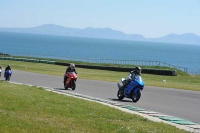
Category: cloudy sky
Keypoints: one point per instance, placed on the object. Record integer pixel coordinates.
(150, 18)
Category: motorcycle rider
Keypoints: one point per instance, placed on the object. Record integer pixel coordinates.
(137, 71)
(7, 68)
(71, 68)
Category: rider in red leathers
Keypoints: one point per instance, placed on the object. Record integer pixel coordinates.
(71, 68)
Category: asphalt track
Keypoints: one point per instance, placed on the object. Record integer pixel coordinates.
(173, 102)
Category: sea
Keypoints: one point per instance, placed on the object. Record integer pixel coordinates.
(64, 47)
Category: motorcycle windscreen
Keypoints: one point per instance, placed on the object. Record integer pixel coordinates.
(139, 80)
(73, 75)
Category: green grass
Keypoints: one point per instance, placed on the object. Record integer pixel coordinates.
(182, 81)
(30, 109)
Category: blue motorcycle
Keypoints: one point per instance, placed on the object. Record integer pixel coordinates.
(132, 89)
(8, 74)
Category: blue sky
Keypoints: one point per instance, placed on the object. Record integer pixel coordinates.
(150, 18)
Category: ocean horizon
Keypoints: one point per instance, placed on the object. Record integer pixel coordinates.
(64, 47)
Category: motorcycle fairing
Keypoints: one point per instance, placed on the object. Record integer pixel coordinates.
(72, 76)
(137, 81)
(129, 88)
(8, 72)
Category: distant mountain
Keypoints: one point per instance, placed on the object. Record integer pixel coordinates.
(187, 38)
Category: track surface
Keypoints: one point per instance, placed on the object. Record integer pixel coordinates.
(174, 102)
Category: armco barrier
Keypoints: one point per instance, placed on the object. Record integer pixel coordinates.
(43, 61)
(6, 58)
(119, 69)
(19, 59)
(50, 62)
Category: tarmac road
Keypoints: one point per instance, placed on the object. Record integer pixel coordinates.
(174, 102)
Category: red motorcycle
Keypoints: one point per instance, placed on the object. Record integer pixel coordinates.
(71, 80)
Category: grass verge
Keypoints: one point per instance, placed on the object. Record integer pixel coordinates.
(31, 109)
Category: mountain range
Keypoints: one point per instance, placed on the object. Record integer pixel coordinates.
(186, 38)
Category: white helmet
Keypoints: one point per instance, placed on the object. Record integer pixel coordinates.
(72, 66)
(138, 70)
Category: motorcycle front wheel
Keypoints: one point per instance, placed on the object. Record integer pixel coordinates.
(120, 95)
(7, 77)
(73, 85)
(65, 86)
(136, 97)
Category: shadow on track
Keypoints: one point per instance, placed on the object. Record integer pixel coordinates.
(63, 89)
(124, 101)
(59, 88)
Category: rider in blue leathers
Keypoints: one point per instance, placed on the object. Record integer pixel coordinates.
(7, 68)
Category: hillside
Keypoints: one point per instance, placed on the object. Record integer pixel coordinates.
(186, 38)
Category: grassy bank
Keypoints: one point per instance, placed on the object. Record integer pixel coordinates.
(182, 81)
(31, 109)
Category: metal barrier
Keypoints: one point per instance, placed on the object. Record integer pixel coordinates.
(102, 61)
